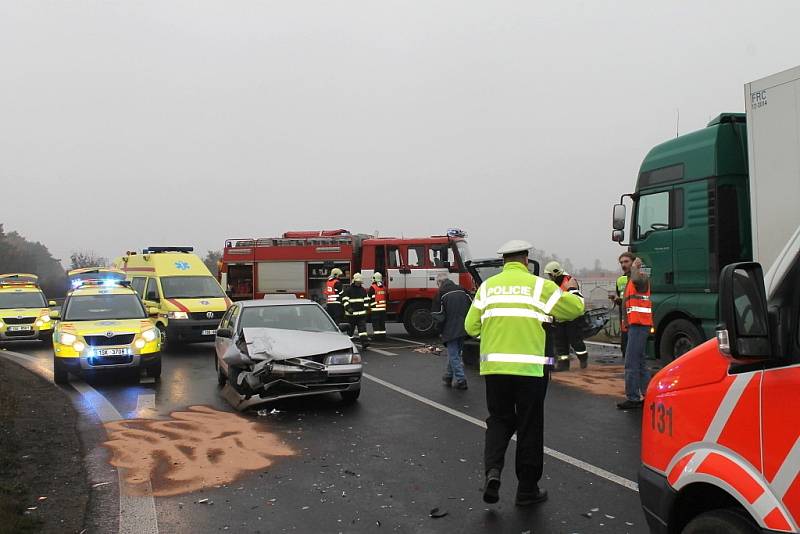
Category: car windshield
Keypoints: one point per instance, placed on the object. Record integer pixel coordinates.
(99, 307)
(305, 317)
(190, 287)
(22, 299)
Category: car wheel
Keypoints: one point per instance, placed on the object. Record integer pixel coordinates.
(727, 521)
(154, 371)
(679, 337)
(60, 373)
(350, 396)
(165, 342)
(418, 319)
(221, 378)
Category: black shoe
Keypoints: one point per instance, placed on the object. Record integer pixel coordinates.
(491, 491)
(448, 381)
(629, 405)
(527, 498)
(584, 361)
(561, 365)
(461, 384)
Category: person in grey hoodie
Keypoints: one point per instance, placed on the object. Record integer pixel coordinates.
(449, 310)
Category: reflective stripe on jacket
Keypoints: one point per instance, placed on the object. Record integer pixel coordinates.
(355, 300)
(637, 305)
(508, 312)
(333, 291)
(377, 297)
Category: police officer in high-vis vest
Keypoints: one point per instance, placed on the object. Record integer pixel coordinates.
(637, 321)
(507, 313)
(567, 334)
(377, 306)
(333, 295)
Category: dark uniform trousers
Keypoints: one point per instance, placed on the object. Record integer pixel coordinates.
(360, 322)
(336, 311)
(568, 335)
(378, 319)
(516, 404)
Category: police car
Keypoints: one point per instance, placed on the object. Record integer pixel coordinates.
(24, 311)
(104, 326)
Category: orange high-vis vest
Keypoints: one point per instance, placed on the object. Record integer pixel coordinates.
(637, 305)
(331, 294)
(378, 297)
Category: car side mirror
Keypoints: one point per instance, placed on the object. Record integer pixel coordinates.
(744, 331)
(55, 314)
(618, 217)
(152, 311)
(52, 303)
(618, 236)
(225, 332)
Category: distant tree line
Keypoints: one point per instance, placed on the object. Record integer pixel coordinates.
(18, 255)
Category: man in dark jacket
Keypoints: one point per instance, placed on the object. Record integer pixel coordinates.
(449, 311)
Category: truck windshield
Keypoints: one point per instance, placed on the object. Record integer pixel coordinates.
(304, 317)
(103, 307)
(463, 251)
(23, 299)
(190, 287)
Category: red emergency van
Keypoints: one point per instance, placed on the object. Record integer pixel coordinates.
(721, 424)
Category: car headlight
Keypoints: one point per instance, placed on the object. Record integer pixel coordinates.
(1, 322)
(341, 358)
(140, 343)
(67, 339)
(150, 335)
(78, 346)
(177, 315)
(45, 318)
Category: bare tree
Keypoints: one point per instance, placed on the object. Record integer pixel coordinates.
(86, 258)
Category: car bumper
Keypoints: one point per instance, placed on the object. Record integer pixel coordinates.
(135, 361)
(339, 378)
(191, 330)
(657, 499)
(34, 333)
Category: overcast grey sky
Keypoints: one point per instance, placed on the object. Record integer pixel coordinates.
(127, 124)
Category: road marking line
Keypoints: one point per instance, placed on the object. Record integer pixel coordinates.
(405, 340)
(380, 351)
(137, 514)
(601, 344)
(146, 405)
(575, 462)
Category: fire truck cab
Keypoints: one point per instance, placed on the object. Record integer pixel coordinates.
(720, 429)
(300, 263)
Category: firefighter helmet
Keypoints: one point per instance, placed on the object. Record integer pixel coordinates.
(554, 268)
(358, 278)
(336, 272)
(377, 277)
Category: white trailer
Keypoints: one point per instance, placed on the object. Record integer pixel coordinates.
(773, 139)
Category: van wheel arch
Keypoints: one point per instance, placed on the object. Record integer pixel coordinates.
(698, 499)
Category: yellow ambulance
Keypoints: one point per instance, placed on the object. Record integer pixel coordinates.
(24, 311)
(103, 326)
(190, 300)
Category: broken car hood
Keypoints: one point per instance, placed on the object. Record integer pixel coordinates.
(276, 344)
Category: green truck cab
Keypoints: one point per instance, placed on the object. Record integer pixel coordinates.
(690, 217)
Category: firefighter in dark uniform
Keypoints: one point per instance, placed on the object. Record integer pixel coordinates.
(356, 304)
(333, 295)
(377, 307)
(566, 334)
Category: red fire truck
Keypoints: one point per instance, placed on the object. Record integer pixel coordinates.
(300, 263)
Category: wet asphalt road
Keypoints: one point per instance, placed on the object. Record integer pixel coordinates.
(385, 462)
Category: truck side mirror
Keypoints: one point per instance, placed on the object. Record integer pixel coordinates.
(52, 303)
(744, 332)
(55, 314)
(618, 217)
(618, 236)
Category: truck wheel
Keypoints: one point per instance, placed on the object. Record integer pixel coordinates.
(418, 320)
(679, 337)
(60, 373)
(727, 521)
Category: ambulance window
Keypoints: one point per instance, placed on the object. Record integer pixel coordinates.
(416, 256)
(152, 289)
(138, 285)
(440, 254)
(393, 257)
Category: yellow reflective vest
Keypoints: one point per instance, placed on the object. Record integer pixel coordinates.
(508, 312)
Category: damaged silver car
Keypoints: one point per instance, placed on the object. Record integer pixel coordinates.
(277, 348)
